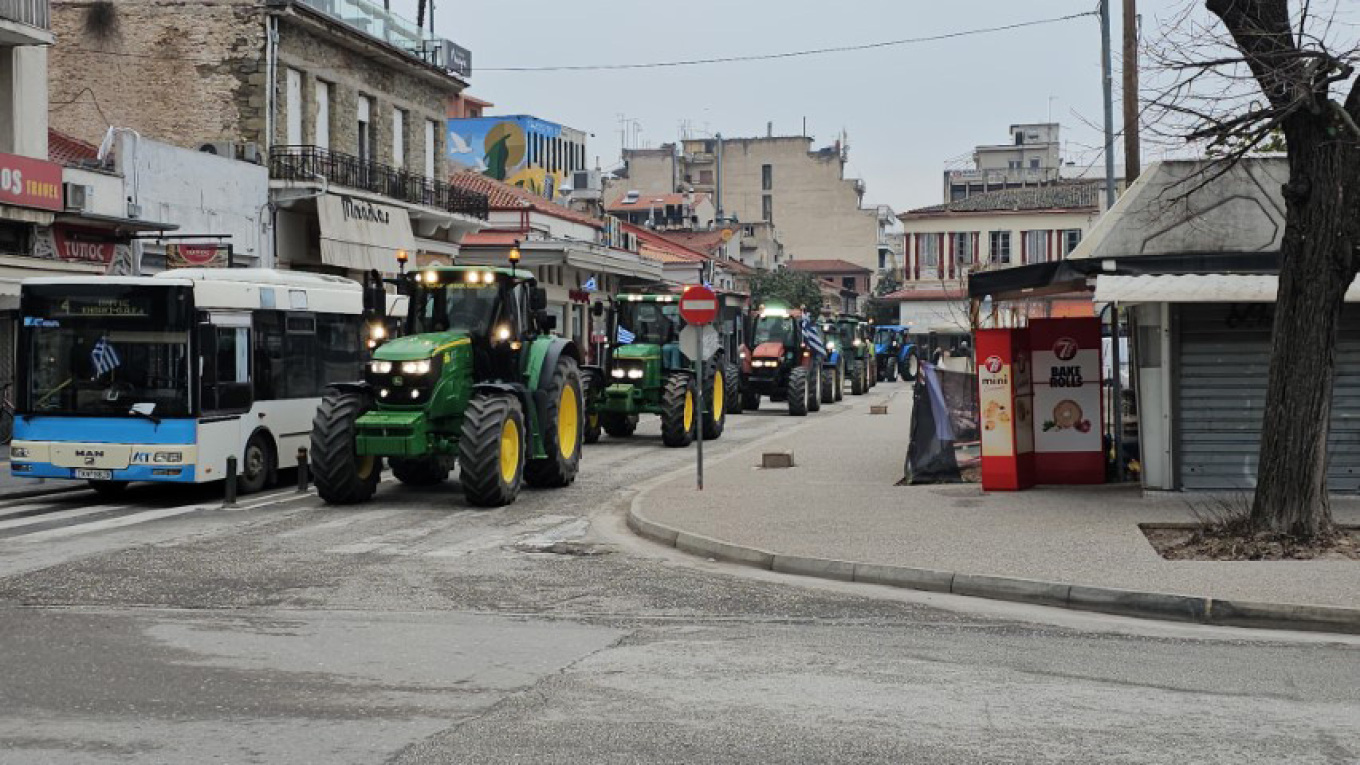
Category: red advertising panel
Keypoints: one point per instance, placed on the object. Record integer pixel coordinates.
(79, 246)
(28, 182)
(195, 256)
(1005, 408)
(1067, 401)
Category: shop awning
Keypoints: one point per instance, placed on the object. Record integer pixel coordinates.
(587, 257)
(362, 235)
(1196, 288)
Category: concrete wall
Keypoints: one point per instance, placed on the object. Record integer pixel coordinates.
(649, 170)
(23, 101)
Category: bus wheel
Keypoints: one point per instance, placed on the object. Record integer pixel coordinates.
(257, 467)
(109, 489)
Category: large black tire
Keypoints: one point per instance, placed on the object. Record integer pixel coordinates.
(618, 425)
(814, 388)
(750, 400)
(420, 471)
(859, 379)
(676, 401)
(563, 431)
(840, 381)
(592, 388)
(798, 392)
(341, 476)
(828, 385)
(492, 423)
(715, 405)
(889, 367)
(735, 404)
(258, 468)
(871, 367)
(910, 366)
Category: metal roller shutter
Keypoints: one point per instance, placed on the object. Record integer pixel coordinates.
(1224, 353)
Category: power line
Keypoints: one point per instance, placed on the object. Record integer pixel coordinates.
(791, 54)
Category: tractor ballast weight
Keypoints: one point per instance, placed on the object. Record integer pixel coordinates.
(477, 380)
(781, 363)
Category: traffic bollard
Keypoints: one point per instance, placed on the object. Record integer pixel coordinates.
(302, 470)
(231, 482)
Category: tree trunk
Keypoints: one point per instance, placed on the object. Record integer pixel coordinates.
(1317, 267)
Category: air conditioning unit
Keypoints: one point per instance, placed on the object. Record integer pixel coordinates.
(250, 152)
(78, 196)
(220, 148)
(134, 210)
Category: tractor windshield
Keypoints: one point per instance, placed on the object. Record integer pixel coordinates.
(470, 308)
(885, 336)
(774, 329)
(648, 322)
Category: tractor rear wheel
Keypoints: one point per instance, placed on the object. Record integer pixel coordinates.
(872, 369)
(798, 392)
(750, 400)
(911, 366)
(735, 402)
(715, 401)
(678, 414)
(342, 477)
(618, 425)
(592, 386)
(828, 385)
(859, 379)
(420, 471)
(890, 371)
(814, 389)
(840, 382)
(562, 431)
(491, 450)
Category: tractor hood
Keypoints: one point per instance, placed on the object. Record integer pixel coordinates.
(637, 351)
(768, 351)
(417, 347)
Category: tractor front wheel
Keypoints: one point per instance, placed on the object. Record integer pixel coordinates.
(342, 477)
(592, 384)
(814, 389)
(618, 425)
(735, 401)
(840, 382)
(798, 392)
(750, 400)
(678, 413)
(562, 430)
(491, 450)
(911, 366)
(715, 399)
(828, 385)
(859, 379)
(420, 471)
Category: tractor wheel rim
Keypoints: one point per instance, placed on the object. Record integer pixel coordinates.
(509, 450)
(568, 422)
(719, 400)
(364, 467)
(689, 410)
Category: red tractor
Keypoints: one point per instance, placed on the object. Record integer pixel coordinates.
(784, 362)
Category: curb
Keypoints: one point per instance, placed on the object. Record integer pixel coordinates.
(1107, 600)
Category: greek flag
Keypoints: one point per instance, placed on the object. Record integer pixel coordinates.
(626, 337)
(589, 286)
(812, 337)
(104, 357)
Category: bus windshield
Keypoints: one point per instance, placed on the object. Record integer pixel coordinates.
(105, 350)
(457, 307)
(650, 322)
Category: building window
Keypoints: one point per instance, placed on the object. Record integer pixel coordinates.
(293, 106)
(365, 142)
(321, 131)
(1071, 238)
(963, 248)
(1036, 246)
(430, 140)
(928, 251)
(767, 177)
(999, 243)
(1019, 138)
(848, 282)
(399, 139)
(1034, 163)
(1013, 164)
(767, 207)
(705, 177)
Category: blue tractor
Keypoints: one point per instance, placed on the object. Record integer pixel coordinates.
(895, 352)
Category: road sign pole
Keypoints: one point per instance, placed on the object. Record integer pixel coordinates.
(699, 307)
(699, 426)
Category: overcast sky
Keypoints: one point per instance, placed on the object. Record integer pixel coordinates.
(907, 110)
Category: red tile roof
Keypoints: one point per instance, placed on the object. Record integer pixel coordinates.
(660, 248)
(69, 150)
(503, 196)
(645, 201)
(492, 238)
(830, 266)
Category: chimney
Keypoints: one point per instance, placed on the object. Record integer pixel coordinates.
(769, 129)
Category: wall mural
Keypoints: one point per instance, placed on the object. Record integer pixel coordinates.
(499, 147)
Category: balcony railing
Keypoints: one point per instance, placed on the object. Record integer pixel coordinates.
(308, 163)
(34, 13)
(371, 19)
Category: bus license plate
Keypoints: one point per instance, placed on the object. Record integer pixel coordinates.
(94, 475)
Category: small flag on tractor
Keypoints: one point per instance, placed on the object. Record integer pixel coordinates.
(626, 337)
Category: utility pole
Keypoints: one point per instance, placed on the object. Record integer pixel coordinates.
(717, 187)
(1108, 81)
(1133, 160)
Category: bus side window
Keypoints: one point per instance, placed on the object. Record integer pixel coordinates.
(226, 368)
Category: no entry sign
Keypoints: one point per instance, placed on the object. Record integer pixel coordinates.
(698, 304)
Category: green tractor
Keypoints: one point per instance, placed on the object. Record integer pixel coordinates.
(847, 337)
(476, 380)
(644, 372)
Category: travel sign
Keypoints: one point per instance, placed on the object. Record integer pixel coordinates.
(28, 182)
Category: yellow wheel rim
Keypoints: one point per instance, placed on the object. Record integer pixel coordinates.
(568, 421)
(718, 401)
(365, 466)
(509, 450)
(689, 410)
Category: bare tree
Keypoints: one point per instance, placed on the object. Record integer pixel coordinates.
(1273, 82)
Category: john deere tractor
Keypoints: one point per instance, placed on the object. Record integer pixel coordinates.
(850, 340)
(644, 372)
(476, 380)
(781, 363)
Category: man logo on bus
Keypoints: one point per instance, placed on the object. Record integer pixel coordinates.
(1065, 349)
(993, 364)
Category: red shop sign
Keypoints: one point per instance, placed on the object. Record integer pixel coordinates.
(78, 246)
(28, 182)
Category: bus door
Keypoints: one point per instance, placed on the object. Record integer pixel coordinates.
(225, 393)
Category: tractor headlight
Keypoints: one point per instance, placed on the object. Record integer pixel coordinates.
(488, 277)
(856, 342)
(616, 372)
(415, 367)
(503, 332)
(377, 332)
(381, 367)
(635, 374)
(831, 345)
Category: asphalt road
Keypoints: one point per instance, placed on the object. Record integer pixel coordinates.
(415, 629)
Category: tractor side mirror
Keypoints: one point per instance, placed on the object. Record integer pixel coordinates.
(538, 299)
(545, 321)
(375, 295)
(597, 309)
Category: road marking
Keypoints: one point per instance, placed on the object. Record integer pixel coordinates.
(60, 515)
(113, 523)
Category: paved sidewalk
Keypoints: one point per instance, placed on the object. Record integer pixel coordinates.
(841, 503)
